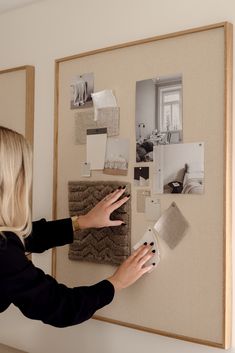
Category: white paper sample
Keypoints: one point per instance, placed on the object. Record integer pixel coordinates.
(103, 99)
(141, 196)
(152, 208)
(158, 158)
(96, 148)
(150, 237)
(85, 169)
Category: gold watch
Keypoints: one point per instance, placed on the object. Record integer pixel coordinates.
(75, 223)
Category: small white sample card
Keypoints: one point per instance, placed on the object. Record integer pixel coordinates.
(149, 237)
(96, 148)
(141, 197)
(152, 208)
(85, 169)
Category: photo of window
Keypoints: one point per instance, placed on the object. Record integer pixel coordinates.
(158, 114)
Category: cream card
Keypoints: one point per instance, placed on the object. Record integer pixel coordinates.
(152, 208)
(150, 237)
(96, 147)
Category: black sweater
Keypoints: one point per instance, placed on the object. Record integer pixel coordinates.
(40, 296)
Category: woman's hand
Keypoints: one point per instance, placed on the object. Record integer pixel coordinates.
(99, 216)
(132, 268)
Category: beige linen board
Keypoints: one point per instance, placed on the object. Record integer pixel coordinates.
(17, 99)
(188, 295)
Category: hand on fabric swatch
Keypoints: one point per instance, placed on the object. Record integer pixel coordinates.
(99, 216)
(132, 268)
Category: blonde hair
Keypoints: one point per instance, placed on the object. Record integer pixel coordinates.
(15, 183)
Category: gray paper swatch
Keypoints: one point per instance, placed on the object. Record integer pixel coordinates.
(171, 226)
(84, 120)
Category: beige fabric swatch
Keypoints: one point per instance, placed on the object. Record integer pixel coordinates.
(171, 226)
(84, 119)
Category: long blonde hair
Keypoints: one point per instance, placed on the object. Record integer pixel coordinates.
(15, 183)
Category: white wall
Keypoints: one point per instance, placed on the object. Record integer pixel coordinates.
(37, 35)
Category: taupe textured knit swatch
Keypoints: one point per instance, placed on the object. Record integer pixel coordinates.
(109, 245)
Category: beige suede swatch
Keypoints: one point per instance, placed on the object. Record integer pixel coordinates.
(172, 226)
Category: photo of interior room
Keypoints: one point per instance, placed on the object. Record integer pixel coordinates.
(158, 114)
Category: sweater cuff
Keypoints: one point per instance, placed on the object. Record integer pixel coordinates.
(104, 290)
(66, 227)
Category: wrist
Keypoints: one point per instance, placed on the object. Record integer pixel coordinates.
(116, 284)
(79, 222)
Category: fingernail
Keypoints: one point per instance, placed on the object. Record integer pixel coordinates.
(120, 187)
(152, 243)
(153, 264)
(153, 251)
(123, 187)
(145, 243)
(128, 195)
(123, 224)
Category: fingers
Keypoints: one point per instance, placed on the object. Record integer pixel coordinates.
(114, 196)
(145, 258)
(118, 204)
(146, 269)
(140, 252)
(110, 195)
(137, 251)
(116, 223)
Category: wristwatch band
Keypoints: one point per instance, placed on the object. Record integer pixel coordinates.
(75, 223)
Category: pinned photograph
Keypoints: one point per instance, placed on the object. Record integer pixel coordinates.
(141, 176)
(117, 156)
(82, 87)
(179, 169)
(158, 114)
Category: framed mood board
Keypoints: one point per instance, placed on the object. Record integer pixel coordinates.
(17, 99)
(162, 108)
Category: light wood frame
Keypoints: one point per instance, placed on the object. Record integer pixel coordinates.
(29, 97)
(227, 257)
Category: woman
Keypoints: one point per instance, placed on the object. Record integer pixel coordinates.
(37, 295)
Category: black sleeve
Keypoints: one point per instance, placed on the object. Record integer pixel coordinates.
(41, 297)
(46, 235)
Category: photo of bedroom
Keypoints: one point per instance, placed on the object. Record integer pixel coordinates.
(158, 114)
(179, 168)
